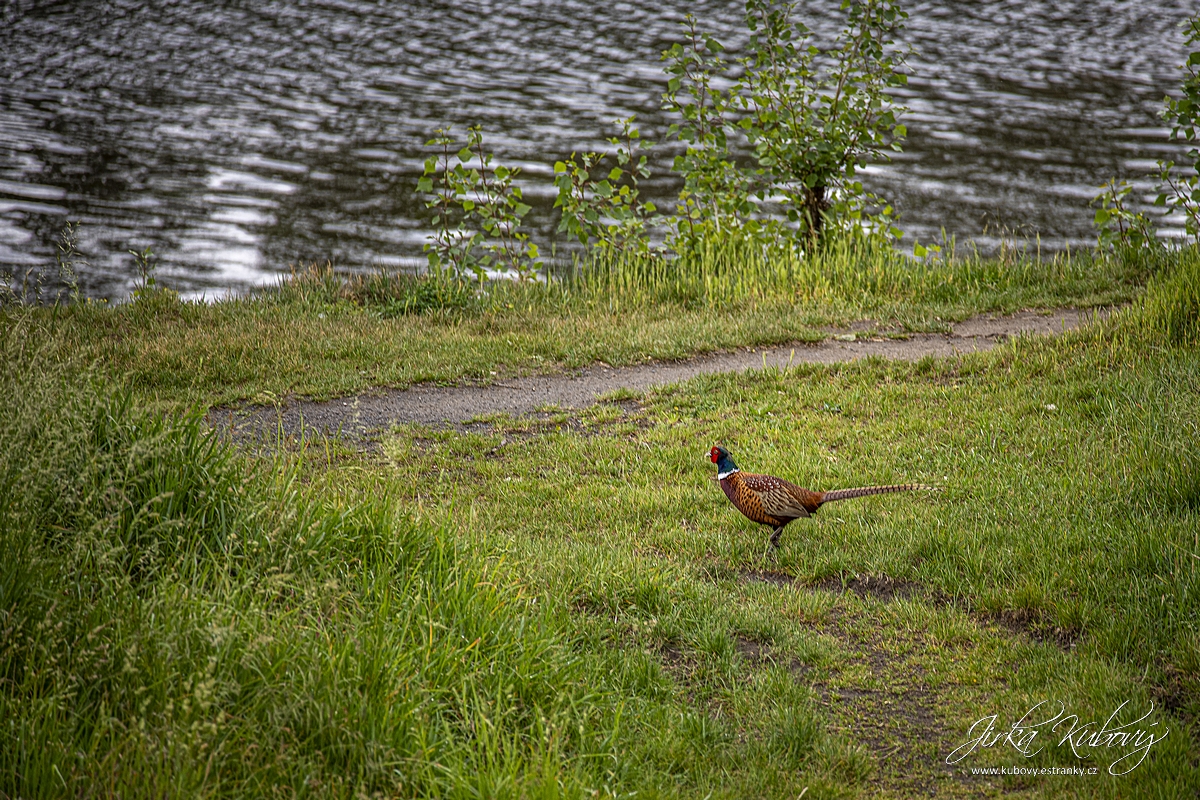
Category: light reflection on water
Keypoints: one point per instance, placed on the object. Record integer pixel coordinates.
(236, 140)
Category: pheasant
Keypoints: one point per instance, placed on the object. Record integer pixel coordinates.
(773, 501)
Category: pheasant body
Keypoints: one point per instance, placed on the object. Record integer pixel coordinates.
(773, 501)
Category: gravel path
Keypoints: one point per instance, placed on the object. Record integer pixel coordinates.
(436, 405)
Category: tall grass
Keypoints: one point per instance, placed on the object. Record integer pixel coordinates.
(178, 621)
(392, 294)
(1172, 308)
(732, 272)
(1166, 454)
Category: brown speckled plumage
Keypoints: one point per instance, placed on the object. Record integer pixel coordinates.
(773, 501)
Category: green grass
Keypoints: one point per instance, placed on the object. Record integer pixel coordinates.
(1070, 514)
(321, 336)
(567, 606)
(179, 620)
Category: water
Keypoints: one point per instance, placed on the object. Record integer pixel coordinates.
(236, 139)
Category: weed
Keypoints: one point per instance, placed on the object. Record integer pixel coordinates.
(146, 263)
(68, 257)
(475, 190)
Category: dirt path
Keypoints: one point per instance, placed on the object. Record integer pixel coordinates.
(435, 405)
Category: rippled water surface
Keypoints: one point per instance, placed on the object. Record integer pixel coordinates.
(236, 139)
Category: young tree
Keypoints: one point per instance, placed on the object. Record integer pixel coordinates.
(813, 118)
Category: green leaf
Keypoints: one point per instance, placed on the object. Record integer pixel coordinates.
(559, 167)
(468, 205)
(425, 185)
(615, 174)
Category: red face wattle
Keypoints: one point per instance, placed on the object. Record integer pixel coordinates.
(713, 455)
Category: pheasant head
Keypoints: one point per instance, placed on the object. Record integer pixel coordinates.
(725, 466)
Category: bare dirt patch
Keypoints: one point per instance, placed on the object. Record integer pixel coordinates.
(752, 650)
(1021, 621)
(881, 587)
(763, 576)
(455, 405)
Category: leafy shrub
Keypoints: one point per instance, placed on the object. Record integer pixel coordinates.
(607, 210)
(813, 118)
(1120, 227)
(1182, 192)
(1117, 226)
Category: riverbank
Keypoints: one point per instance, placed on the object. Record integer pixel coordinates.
(566, 605)
(320, 336)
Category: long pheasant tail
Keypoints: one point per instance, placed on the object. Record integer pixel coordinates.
(866, 491)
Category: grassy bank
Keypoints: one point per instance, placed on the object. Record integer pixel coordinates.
(568, 606)
(320, 335)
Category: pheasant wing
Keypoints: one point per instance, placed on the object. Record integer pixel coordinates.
(780, 498)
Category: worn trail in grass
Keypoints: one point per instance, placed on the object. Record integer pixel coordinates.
(431, 405)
